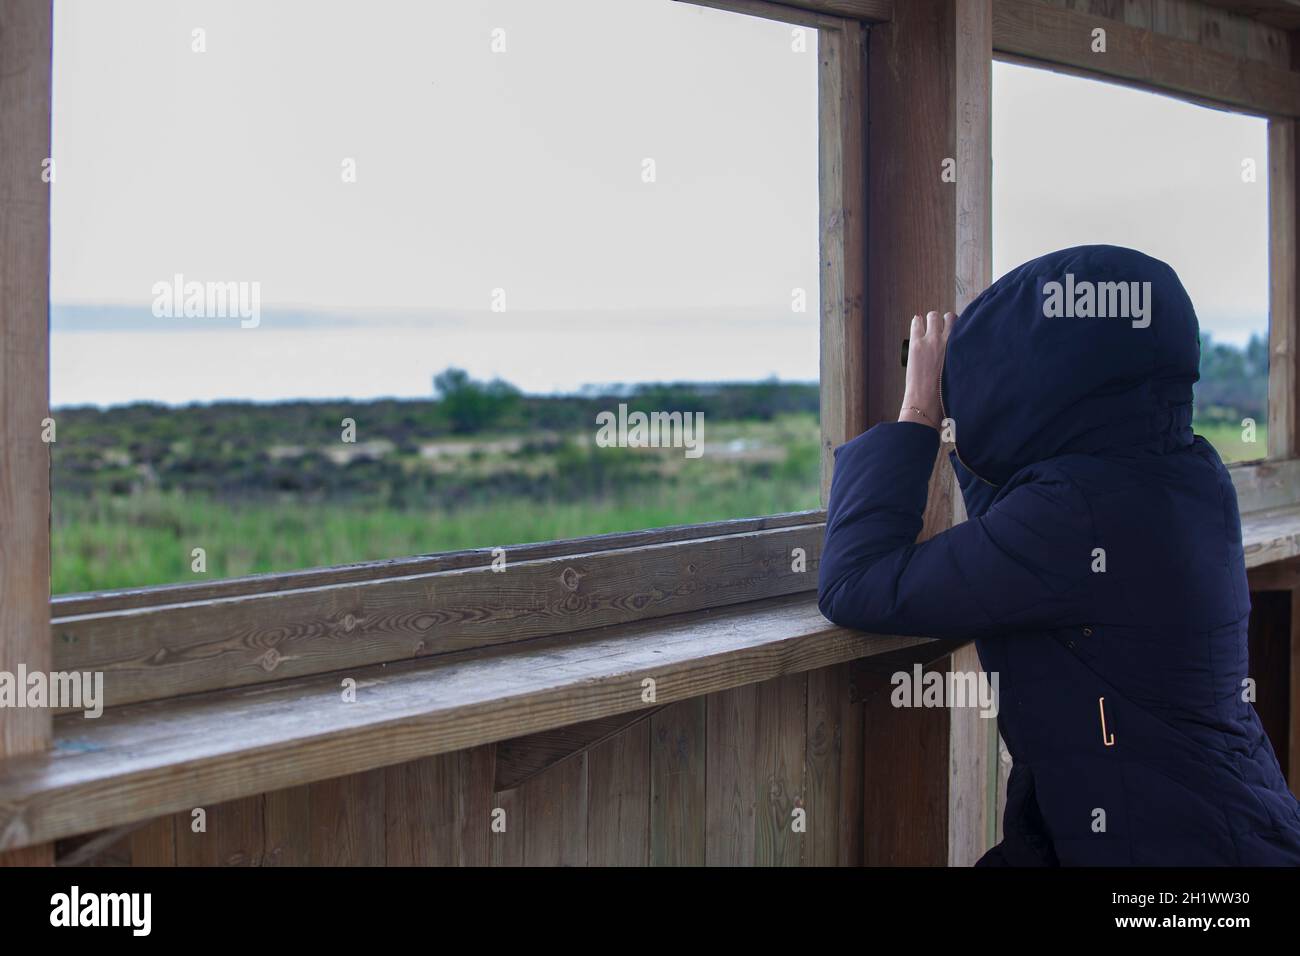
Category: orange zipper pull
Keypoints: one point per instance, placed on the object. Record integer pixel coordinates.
(1107, 740)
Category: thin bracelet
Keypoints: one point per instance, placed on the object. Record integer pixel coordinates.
(913, 408)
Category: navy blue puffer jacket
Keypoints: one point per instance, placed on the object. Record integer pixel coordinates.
(1100, 571)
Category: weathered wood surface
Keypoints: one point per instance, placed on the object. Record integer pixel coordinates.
(1283, 14)
(1283, 305)
(817, 13)
(521, 758)
(619, 795)
(1269, 536)
(678, 819)
(25, 54)
(842, 99)
(1266, 485)
(607, 806)
(99, 602)
(1050, 34)
(151, 653)
(769, 10)
(146, 759)
(1226, 26)
(929, 228)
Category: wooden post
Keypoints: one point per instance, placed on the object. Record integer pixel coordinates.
(842, 185)
(25, 57)
(928, 247)
(1282, 266)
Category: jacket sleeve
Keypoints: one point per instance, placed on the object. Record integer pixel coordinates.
(1025, 563)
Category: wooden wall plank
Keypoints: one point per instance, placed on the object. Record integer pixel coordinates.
(850, 831)
(555, 815)
(234, 836)
(618, 801)
(507, 844)
(733, 789)
(287, 815)
(1270, 667)
(154, 844)
(25, 82)
(335, 822)
(781, 732)
(972, 801)
(678, 814)
(347, 820)
(828, 710)
(905, 797)
(420, 811)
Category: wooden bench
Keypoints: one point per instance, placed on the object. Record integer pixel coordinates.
(142, 760)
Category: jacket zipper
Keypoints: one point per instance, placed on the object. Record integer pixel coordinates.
(943, 408)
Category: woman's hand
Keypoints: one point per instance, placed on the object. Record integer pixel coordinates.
(925, 352)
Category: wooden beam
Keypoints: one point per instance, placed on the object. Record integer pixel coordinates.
(91, 848)
(1266, 485)
(100, 602)
(521, 758)
(26, 32)
(148, 653)
(1048, 34)
(871, 674)
(823, 14)
(1278, 576)
(1269, 536)
(1283, 311)
(160, 757)
(1278, 13)
(769, 10)
(841, 90)
(929, 247)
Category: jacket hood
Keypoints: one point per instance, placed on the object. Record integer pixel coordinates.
(1089, 350)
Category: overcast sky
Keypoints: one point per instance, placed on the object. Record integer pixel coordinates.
(523, 170)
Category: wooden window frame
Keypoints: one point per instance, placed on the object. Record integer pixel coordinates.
(1034, 33)
(929, 57)
(160, 642)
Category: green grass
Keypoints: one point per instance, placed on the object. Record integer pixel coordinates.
(1226, 439)
(147, 539)
(103, 541)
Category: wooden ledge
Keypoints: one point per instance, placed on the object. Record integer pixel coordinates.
(1270, 536)
(143, 760)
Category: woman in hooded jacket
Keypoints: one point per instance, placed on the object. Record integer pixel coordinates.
(1100, 570)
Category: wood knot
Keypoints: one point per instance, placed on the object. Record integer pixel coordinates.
(570, 579)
